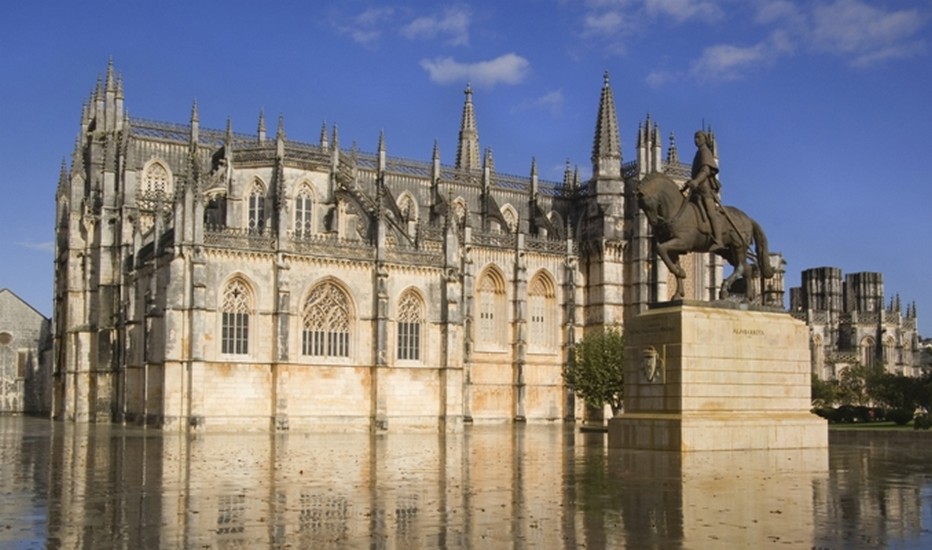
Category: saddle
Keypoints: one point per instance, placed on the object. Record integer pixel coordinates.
(704, 226)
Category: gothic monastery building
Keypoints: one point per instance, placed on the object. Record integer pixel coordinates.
(850, 324)
(214, 279)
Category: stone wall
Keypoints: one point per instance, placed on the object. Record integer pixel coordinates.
(24, 357)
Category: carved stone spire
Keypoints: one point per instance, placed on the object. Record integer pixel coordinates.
(488, 168)
(567, 176)
(63, 175)
(534, 183)
(195, 123)
(381, 152)
(261, 125)
(467, 154)
(280, 137)
(606, 146)
(673, 157)
(111, 83)
(435, 164)
(324, 144)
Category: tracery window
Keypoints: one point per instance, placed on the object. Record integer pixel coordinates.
(511, 218)
(407, 207)
(410, 320)
(542, 312)
(256, 221)
(889, 353)
(236, 307)
(491, 308)
(327, 317)
(867, 352)
(459, 210)
(303, 206)
(156, 181)
(818, 356)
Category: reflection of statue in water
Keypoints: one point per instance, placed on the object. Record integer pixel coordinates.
(704, 186)
(683, 225)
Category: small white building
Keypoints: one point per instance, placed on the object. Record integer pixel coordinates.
(25, 345)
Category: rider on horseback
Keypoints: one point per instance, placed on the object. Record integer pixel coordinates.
(704, 186)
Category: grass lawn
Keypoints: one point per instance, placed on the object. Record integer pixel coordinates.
(887, 426)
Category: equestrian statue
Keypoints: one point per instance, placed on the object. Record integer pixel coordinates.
(698, 222)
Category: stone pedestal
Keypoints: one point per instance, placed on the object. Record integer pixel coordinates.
(708, 377)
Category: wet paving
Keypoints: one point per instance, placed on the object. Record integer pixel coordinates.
(80, 486)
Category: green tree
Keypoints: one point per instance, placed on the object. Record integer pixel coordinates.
(896, 391)
(824, 392)
(596, 373)
(856, 383)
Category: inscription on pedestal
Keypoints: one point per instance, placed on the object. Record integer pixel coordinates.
(709, 378)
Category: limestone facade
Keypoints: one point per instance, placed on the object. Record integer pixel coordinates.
(25, 345)
(850, 323)
(207, 278)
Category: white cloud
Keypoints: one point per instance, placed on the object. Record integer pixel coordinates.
(773, 11)
(551, 102)
(453, 23)
(865, 33)
(603, 23)
(506, 69)
(684, 10)
(726, 62)
(366, 28)
(605, 26)
(660, 77)
(44, 246)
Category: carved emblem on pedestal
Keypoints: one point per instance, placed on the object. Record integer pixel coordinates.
(652, 365)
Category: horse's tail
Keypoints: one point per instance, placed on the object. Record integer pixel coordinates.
(763, 255)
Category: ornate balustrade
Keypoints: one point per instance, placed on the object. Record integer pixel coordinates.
(239, 238)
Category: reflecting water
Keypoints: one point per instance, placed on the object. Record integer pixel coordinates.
(73, 486)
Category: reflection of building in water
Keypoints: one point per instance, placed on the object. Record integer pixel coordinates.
(855, 506)
(79, 486)
(209, 278)
(850, 324)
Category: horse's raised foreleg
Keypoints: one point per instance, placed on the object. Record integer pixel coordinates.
(672, 262)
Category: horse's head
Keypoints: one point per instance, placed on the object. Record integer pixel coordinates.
(656, 195)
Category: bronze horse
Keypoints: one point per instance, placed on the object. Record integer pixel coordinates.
(680, 228)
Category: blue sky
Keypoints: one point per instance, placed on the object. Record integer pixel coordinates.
(821, 108)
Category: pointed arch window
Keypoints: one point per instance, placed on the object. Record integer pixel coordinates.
(236, 308)
(890, 358)
(407, 207)
(459, 211)
(256, 221)
(410, 323)
(490, 328)
(511, 219)
(327, 318)
(303, 208)
(156, 181)
(867, 351)
(818, 357)
(542, 313)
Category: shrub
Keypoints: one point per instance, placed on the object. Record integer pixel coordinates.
(900, 416)
(922, 422)
(827, 413)
(855, 413)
